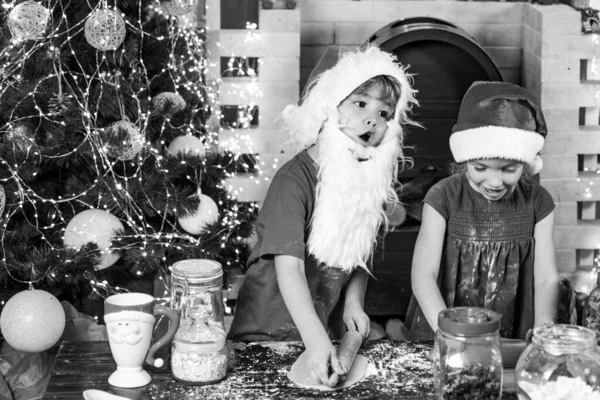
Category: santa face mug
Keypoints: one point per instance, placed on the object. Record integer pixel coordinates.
(129, 319)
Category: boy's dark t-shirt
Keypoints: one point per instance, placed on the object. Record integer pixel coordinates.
(489, 250)
(282, 228)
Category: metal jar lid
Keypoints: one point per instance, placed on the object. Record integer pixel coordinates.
(469, 321)
(197, 270)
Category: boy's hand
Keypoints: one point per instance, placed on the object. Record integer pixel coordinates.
(321, 358)
(356, 319)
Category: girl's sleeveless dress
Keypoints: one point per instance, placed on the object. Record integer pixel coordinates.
(488, 252)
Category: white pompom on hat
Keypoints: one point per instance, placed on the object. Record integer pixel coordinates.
(499, 120)
(335, 77)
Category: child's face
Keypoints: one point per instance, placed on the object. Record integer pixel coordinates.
(494, 178)
(363, 117)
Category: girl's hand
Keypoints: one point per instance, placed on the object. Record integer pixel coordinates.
(356, 319)
(321, 359)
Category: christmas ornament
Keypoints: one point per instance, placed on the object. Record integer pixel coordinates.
(395, 213)
(32, 321)
(123, 140)
(206, 214)
(168, 104)
(20, 135)
(589, 18)
(28, 21)
(186, 145)
(95, 226)
(178, 8)
(105, 29)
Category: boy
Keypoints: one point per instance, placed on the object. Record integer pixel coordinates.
(317, 228)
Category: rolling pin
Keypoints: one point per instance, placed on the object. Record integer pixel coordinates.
(346, 353)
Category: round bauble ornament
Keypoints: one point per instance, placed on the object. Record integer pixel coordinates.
(186, 145)
(95, 226)
(105, 29)
(168, 103)
(123, 140)
(396, 213)
(28, 21)
(21, 136)
(206, 214)
(32, 321)
(178, 8)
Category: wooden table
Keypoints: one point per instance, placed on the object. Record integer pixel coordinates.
(397, 370)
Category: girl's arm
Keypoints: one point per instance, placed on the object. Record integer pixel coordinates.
(426, 265)
(545, 273)
(355, 317)
(321, 353)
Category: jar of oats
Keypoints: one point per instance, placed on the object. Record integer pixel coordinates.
(198, 353)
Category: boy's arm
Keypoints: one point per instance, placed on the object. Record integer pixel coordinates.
(321, 353)
(426, 265)
(545, 272)
(355, 317)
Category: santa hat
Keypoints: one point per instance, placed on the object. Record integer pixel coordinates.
(334, 78)
(499, 120)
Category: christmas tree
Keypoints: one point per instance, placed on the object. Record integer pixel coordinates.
(110, 164)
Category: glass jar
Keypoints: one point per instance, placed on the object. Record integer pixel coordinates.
(591, 310)
(198, 352)
(562, 362)
(466, 358)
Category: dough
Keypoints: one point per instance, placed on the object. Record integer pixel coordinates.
(301, 376)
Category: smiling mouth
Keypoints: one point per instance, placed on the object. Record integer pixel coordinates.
(365, 137)
(493, 192)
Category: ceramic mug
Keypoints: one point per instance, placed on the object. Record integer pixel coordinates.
(129, 319)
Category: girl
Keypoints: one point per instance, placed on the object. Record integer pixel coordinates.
(486, 238)
(317, 227)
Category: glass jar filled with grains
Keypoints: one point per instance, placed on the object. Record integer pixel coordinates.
(198, 352)
(562, 362)
(467, 362)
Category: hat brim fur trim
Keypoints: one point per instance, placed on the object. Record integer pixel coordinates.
(496, 142)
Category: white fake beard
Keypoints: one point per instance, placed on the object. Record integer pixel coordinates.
(350, 196)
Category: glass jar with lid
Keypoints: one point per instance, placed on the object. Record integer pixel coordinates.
(467, 360)
(198, 352)
(562, 362)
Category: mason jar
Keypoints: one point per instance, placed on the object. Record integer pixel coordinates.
(467, 360)
(562, 362)
(198, 352)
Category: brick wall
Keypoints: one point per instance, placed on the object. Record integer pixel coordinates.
(558, 64)
(276, 44)
(497, 27)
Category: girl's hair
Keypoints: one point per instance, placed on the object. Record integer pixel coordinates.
(457, 168)
(390, 90)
